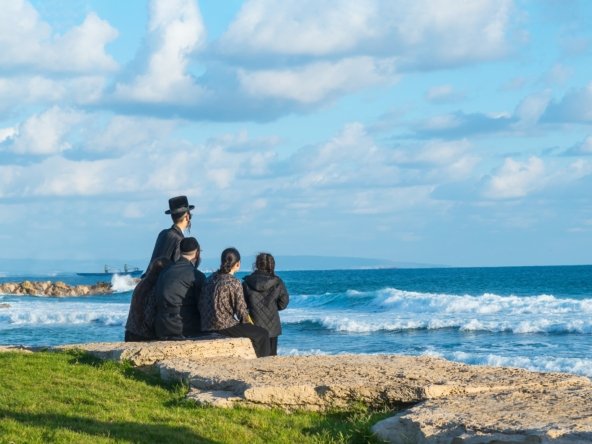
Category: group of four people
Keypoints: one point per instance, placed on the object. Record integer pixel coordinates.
(174, 300)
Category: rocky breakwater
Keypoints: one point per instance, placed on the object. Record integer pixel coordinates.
(438, 401)
(55, 289)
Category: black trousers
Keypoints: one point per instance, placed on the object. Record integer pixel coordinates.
(273, 346)
(258, 336)
(132, 337)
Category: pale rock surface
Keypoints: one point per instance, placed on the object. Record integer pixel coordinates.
(56, 289)
(322, 382)
(149, 353)
(551, 415)
(16, 348)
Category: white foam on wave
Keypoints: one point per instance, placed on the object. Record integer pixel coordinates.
(391, 309)
(68, 313)
(297, 352)
(486, 303)
(579, 366)
(123, 283)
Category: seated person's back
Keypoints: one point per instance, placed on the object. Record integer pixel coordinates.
(177, 293)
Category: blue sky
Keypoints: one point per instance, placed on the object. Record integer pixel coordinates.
(444, 132)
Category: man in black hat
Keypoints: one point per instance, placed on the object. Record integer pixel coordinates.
(168, 240)
(177, 293)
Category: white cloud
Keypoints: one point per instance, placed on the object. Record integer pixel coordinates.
(443, 94)
(558, 74)
(514, 84)
(530, 110)
(180, 166)
(576, 106)
(7, 133)
(176, 30)
(125, 133)
(28, 43)
(389, 200)
(85, 46)
(516, 179)
(317, 81)
(348, 155)
(449, 31)
(46, 133)
(132, 211)
(422, 32)
(304, 27)
(69, 178)
(585, 147)
(19, 92)
(442, 122)
(440, 160)
(353, 160)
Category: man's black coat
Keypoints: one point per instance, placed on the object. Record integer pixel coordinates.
(177, 293)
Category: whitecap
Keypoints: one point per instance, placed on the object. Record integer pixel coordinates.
(123, 283)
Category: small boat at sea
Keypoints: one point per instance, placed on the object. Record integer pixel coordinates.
(111, 271)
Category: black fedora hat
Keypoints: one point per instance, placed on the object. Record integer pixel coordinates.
(179, 204)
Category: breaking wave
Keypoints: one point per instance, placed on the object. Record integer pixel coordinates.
(391, 309)
(69, 313)
(123, 283)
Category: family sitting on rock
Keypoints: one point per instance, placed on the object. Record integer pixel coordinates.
(175, 301)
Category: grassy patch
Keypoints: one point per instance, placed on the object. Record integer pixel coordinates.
(71, 397)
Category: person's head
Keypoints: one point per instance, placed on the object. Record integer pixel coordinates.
(190, 250)
(180, 211)
(155, 267)
(183, 220)
(265, 263)
(229, 261)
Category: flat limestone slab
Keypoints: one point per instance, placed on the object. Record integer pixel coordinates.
(149, 353)
(560, 415)
(322, 382)
(16, 348)
(454, 403)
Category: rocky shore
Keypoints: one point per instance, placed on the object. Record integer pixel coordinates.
(55, 289)
(436, 401)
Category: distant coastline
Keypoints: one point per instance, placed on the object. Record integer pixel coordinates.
(44, 267)
(14, 267)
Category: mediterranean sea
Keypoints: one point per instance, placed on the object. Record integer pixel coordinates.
(538, 318)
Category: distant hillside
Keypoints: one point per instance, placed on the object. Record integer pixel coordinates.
(323, 263)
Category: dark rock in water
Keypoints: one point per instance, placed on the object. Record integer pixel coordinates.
(4, 305)
(56, 289)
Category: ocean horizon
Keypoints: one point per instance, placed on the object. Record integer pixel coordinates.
(533, 317)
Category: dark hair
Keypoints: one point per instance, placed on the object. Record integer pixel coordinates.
(188, 244)
(265, 262)
(155, 267)
(177, 217)
(228, 259)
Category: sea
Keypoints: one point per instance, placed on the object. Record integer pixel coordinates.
(537, 318)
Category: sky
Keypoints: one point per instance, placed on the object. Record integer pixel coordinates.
(430, 131)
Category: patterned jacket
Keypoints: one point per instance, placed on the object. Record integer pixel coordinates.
(222, 303)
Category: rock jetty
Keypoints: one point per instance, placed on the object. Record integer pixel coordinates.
(55, 289)
(438, 401)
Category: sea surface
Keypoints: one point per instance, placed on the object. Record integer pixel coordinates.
(538, 318)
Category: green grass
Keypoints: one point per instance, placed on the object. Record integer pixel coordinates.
(71, 397)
